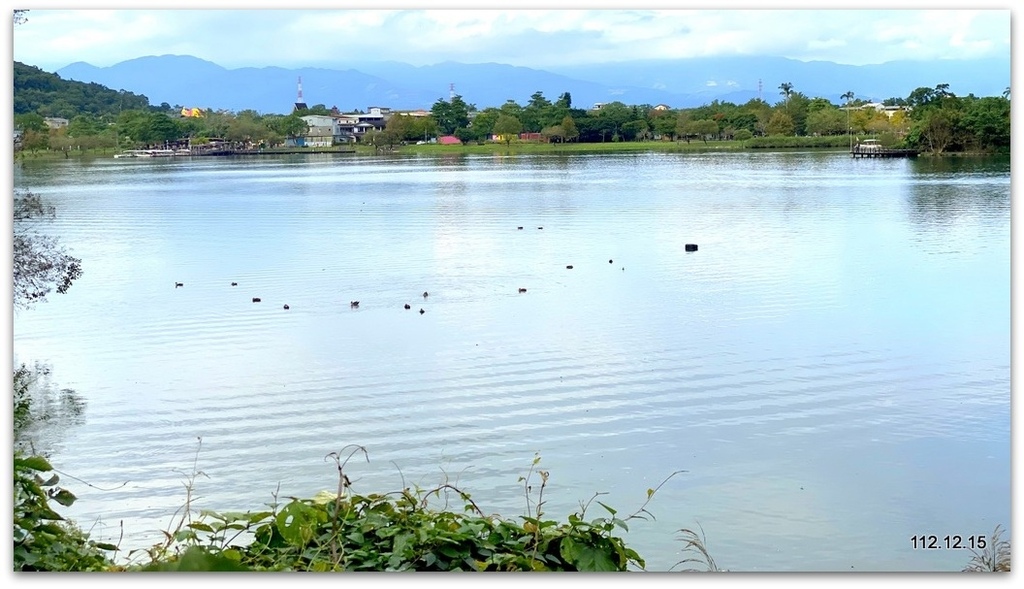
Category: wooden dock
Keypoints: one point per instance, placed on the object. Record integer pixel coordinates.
(874, 150)
(271, 151)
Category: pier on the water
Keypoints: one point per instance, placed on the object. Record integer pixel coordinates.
(871, 148)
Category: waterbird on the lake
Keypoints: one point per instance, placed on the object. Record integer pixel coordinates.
(522, 290)
(354, 304)
(569, 267)
(540, 228)
(177, 284)
(520, 228)
(609, 261)
(255, 299)
(286, 307)
(407, 306)
(425, 293)
(234, 284)
(422, 311)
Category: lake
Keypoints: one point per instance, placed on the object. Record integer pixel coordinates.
(831, 367)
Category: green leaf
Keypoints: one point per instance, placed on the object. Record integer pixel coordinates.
(182, 535)
(294, 523)
(195, 560)
(47, 513)
(200, 526)
(33, 462)
(64, 497)
(610, 510)
(590, 558)
(650, 493)
(569, 549)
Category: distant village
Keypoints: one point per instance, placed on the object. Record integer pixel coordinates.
(326, 129)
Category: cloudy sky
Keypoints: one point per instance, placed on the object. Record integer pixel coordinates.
(578, 32)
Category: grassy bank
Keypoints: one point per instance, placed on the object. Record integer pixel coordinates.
(836, 144)
(533, 148)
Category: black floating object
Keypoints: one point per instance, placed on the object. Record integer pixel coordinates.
(691, 247)
(177, 284)
(569, 267)
(354, 304)
(522, 290)
(425, 293)
(234, 284)
(609, 261)
(540, 228)
(407, 306)
(422, 311)
(255, 299)
(286, 307)
(520, 228)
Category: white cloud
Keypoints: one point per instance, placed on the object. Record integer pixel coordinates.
(537, 38)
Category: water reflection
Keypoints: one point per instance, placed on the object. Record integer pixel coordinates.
(813, 328)
(953, 191)
(43, 414)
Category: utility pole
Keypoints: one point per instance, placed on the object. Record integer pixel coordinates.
(849, 131)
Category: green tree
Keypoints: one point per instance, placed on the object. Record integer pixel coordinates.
(400, 128)
(245, 128)
(41, 264)
(987, 120)
(536, 113)
(780, 124)
(827, 121)
(798, 109)
(569, 126)
(637, 130)
(467, 134)
(484, 121)
(612, 116)
(85, 125)
(30, 122)
(450, 115)
(937, 129)
(554, 134)
(512, 109)
(786, 90)
(507, 128)
(703, 128)
(423, 128)
(683, 125)
(290, 125)
(848, 96)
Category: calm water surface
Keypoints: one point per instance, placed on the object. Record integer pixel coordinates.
(831, 368)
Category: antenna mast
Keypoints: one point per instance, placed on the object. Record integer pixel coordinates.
(300, 104)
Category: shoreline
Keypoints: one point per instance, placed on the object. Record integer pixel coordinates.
(502, 149)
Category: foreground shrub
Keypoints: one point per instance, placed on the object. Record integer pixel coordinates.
(401, 531)
(43, 540)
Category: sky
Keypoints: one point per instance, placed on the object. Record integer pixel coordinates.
(266, 34)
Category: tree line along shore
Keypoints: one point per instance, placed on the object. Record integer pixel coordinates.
(55, 116)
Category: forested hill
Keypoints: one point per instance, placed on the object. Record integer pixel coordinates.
(36, 91)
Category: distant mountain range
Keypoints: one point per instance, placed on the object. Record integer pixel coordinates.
(181, 80)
